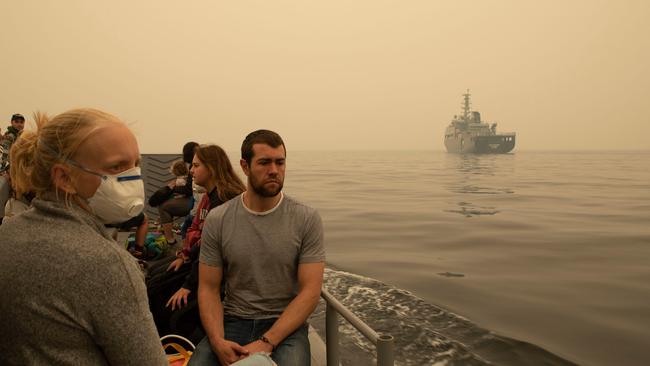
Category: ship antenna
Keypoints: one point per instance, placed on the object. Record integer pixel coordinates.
(466, 106)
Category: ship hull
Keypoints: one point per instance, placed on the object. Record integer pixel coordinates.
(464, 143)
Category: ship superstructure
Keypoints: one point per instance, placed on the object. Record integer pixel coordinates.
(468, 134)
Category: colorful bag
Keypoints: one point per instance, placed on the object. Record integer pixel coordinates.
(180, 355)
(155, 243)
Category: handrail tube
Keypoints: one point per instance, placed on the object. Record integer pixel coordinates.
(385, 354)
(332, 335)
(350, 317)
(384, 343)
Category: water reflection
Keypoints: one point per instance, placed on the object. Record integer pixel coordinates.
(469, 210)
(475, 176)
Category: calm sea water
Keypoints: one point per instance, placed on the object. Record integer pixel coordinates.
(525, 258)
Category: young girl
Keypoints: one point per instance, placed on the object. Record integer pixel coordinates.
(171, 282)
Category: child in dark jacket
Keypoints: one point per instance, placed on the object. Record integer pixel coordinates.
(180, 171)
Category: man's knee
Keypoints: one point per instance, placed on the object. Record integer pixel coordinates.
(203, 355)
(294, 350)
(257, 359)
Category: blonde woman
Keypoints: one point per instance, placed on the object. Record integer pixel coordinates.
(70, 294)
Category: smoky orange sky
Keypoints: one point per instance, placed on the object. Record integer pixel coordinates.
(336, 75)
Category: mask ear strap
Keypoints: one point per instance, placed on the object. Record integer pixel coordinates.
(70, 161)
(79, 166)
(128, 178)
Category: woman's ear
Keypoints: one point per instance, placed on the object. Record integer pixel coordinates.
(62, 179)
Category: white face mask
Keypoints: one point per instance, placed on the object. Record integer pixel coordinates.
(119, 197)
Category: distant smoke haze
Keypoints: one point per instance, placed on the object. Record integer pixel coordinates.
(336, 75)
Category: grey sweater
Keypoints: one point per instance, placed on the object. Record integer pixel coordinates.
(69, 295)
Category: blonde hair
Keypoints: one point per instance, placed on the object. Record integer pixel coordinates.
(179, 168)
(55, 140)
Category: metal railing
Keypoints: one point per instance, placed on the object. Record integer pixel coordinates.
(383, 342)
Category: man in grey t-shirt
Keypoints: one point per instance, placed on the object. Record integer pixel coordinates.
(268, 250)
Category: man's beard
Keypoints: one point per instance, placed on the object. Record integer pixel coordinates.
(261, 189)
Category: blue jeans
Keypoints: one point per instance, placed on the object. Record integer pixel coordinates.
(293, 351)
(256, 359)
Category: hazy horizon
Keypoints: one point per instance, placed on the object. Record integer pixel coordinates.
(364, 75)
(442, 150)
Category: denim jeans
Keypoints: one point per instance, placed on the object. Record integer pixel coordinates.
(256, 359)
(293, 351)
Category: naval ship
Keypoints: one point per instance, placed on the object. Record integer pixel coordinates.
(468, 134)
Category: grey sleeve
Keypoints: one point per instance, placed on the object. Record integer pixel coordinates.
(313, 247)
(122, 324)
(211, 239)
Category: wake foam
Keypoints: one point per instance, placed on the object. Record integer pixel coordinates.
(424, 333)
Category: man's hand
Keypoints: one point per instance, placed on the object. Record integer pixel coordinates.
(176, 264)
(229, 352)
(258, 346)
(176, 300)
(172, 184)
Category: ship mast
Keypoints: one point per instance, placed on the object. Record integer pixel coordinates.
(466, 106)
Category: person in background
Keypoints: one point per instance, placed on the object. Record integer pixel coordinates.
(13, 132)
(268, 250)
(70, 294)
(171, 282)
(141, 225)
(197, 195)
(180, 171)
(17, 204)
(181, 204)
(6, 141)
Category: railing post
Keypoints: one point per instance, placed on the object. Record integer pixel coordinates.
(385, 351)
(332, 335)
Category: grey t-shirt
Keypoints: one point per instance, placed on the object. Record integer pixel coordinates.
(260, 253)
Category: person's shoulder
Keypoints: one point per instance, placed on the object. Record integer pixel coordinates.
(294, 205)
(222, 209)
(212, 199)
(106, 260)
(10, 136)
(232, 203)
(71, 248)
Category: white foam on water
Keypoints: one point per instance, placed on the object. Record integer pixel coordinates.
(424, 334)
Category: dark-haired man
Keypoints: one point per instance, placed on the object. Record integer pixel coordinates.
(13, 131)
(269, 250)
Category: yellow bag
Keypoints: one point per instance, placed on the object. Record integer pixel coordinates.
(182, 355)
